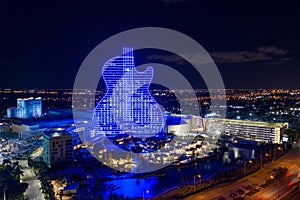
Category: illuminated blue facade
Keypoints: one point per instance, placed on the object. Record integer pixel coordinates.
(11, 112)
(127, 107)
(26, 108)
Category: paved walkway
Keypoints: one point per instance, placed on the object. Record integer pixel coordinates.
(33, 191)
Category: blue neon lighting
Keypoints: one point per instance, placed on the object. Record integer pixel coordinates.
(127, 107)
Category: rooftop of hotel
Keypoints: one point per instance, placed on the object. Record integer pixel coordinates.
(248, 122)
(30, 98)
(56, 132)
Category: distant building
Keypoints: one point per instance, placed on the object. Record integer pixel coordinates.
(182, 124)
(11, 112)
(26, 108)
(36, 127)
(5, 126)
(29, 108)
(57, 145)
(245, 129)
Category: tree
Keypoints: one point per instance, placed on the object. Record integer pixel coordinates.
(17, 170)
(10, 185)
(6, 162)
(46, 186)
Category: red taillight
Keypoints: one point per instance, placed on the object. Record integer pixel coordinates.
(288, 174)
(291, 183)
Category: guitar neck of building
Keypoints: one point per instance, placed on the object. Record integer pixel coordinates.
(128, 59)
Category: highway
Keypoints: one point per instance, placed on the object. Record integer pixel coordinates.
(290, 160)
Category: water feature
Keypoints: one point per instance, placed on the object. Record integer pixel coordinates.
(154, 185)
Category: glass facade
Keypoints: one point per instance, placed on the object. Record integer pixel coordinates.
(26, 108)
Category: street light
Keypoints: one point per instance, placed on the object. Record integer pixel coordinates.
(281, 150)
(199, 176)
(272, 177)
(147, 192)
(261, 159)
(245, 165)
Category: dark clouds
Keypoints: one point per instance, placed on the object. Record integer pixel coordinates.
(266, 54)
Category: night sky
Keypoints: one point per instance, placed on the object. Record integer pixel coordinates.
(255, 45)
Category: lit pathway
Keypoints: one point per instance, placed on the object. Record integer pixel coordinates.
(33, 191)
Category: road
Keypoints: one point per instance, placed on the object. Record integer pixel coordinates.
(290, 160)
(294, 195)
(33, 191)
(281, 188)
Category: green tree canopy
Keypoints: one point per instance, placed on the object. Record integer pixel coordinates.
(10, 184)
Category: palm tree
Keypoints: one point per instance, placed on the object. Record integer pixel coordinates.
(6, 162)
(5, 179)
(46, 186)
(42, 178)
(9, 183)
(17, 170)
(43, 189)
